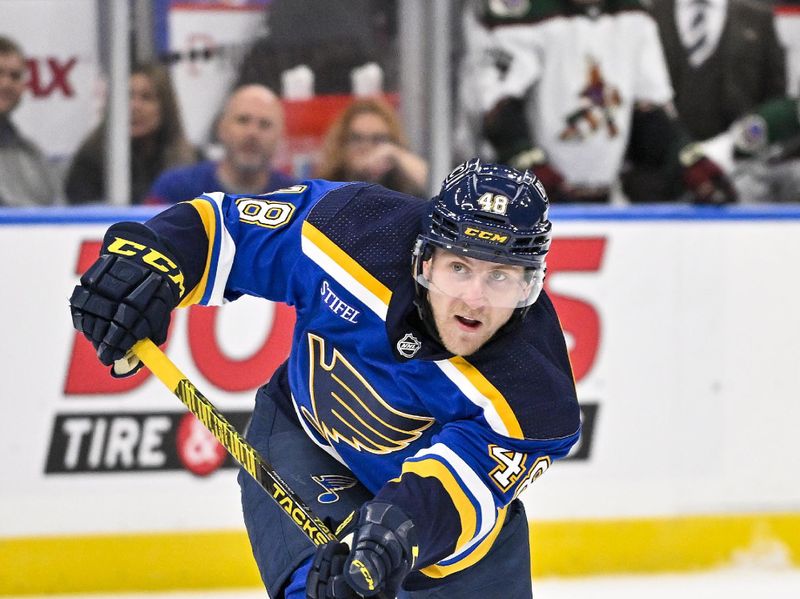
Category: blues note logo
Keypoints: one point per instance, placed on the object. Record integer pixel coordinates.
(333, 483)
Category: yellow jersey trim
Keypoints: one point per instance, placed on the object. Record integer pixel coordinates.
(341, 258)
(490, 392)
(206, 212)
(434, 468)
(436, 571)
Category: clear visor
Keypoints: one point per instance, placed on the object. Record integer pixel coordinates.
(478, 282)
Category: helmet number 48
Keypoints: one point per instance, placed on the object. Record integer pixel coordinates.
(491, 202)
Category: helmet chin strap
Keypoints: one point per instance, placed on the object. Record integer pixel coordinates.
(426, 312)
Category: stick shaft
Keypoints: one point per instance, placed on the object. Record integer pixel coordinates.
(241, 451)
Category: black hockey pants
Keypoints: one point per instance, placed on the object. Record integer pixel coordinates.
(324, 484)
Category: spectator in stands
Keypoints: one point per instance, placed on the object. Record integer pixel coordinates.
(724, 59)
(367, 143)
(250, 129)
(555, 87)
(26, 179)
(157, 140)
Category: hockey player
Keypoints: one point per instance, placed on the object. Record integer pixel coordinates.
(428, 383)
(568, 87)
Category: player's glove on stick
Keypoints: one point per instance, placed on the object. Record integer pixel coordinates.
(127, 294)
(383, 553)
(325, 579)
(704, 178)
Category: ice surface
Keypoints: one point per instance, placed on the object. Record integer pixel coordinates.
(738, 583)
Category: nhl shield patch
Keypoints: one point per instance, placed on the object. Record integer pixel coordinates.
(408, 346)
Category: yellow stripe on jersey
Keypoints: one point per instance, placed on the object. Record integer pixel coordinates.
(344, 261)
(466, 511)
(490, 392)
(206, 212)
(478, 553)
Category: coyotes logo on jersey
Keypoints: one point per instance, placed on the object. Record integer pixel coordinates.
(598, 103)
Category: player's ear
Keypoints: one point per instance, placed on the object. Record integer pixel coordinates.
(426, 266)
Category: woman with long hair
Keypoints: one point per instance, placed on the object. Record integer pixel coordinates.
(367, 143)
(157, 140)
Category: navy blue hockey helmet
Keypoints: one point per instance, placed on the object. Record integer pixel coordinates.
(490, 212)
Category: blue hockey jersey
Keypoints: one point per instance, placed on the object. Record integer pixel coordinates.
(451, 440)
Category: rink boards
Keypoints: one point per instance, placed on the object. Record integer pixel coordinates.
(684, 339)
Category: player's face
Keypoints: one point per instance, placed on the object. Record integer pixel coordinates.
(251, 129)
(145, 106)
(471, 299)
(12, 83)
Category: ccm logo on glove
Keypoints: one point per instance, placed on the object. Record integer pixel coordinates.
(150, 256)
(362, 569)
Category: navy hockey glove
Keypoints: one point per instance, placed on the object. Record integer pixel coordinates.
(325, 580)
(127, 294)
(384, 550)
(704, 178)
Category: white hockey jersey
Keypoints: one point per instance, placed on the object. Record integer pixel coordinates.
(581, 71)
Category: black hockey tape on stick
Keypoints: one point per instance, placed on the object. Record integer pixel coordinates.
(245, 454)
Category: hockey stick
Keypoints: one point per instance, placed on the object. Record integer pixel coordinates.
(241, 451)
(245, 454)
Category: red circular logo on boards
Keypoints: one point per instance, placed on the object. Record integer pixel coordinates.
(198, 450)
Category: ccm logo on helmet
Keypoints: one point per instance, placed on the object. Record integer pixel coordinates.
(486, 235)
